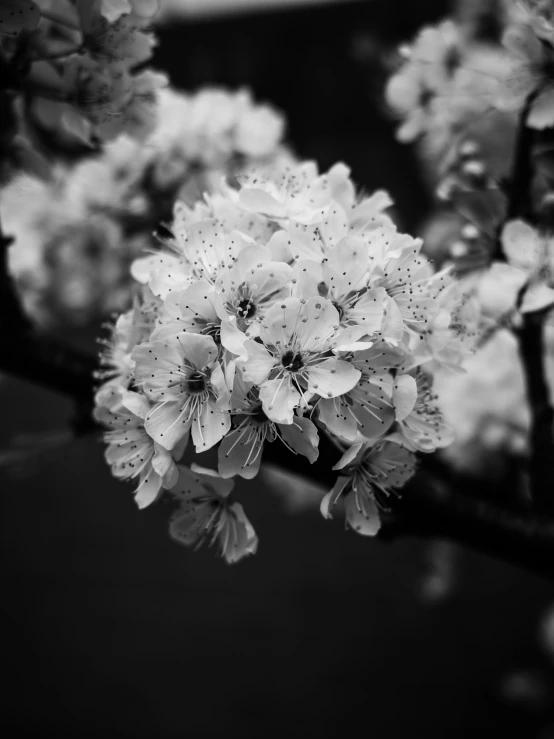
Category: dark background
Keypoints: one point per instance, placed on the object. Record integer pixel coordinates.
(110, 629)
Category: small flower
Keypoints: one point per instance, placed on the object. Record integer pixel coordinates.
(251, 285)
(414, 91)
(371, 475)
(127, 331)
(422, 428)
(131, 452)
(240, 452)
(343, 279)
(295, 360)
(453, 329)
(259, 130)
(207, 514)
(192, 309)
(184, 378)
(530, 73)
(411, 286)
(528, 250)
(299, 194)
(107, 100)
(367, 408)
(117, 40)
(209, 248)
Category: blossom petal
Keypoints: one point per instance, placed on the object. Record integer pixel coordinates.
(392, 329)
(404, 395)
(541, 115)
(521, 245)
(333, 496)
(260, 201)
(370, 309)
(198, 482)
(336, 414)
(350, 455)
(148, 489)
(241, 540)
(279, 399)
(537, 297)
(362, 514)
(240, 453)
(136, 403)
(197, 349)
(167, 423)
(258, 365)
(209, 426)
(301, 435)
(332, 377)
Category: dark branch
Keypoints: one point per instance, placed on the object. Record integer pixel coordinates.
(541, 459)
(530, 335)
(519, 186)
(519, 195)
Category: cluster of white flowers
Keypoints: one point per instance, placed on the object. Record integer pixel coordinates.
(460, 94)
(453, 88)
(77, 65)
(281, 307)
(493, 415)
(77, 232)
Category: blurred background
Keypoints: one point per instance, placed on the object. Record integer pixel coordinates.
(110, 629)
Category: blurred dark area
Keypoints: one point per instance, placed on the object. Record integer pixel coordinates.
(110, 629)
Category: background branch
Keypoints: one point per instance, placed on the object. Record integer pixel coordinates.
(530, 334)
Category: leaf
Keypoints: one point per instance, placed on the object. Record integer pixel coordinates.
(17, 16)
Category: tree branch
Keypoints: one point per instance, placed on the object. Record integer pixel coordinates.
(541, 459)
(530, 335)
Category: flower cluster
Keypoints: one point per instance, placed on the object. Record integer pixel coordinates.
(77, 232)
(494, 416)
(78, 66)
(461, 93)
(280, 309)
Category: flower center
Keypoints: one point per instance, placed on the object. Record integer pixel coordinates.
(246, 308)
(291, 361)
(258, 414)
(196, 382)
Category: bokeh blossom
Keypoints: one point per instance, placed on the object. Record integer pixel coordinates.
(207, 513)
(78, 229)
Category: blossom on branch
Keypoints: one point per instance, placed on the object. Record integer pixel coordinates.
(285, 307)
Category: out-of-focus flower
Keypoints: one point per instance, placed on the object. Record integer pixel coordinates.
(430, 64)
(529, 43)
(113, 31)
(108, 101)
(370, 476)
(131, 452)
(208, 514)
(17, 16)
(76, 234)
(78, 67)
(486, 406)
